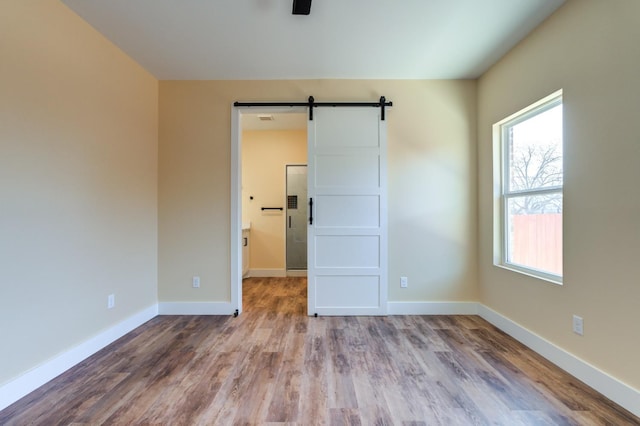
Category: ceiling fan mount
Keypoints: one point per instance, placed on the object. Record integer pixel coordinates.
(301, 7)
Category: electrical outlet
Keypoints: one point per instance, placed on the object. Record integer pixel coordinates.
(111, 301)
(195, 282)
(404, 282)
(578, 325)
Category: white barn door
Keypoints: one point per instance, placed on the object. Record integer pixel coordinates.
(347, 239)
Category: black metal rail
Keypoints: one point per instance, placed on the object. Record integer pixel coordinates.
(311, 103)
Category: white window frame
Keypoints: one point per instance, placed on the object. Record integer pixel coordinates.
(501, 154)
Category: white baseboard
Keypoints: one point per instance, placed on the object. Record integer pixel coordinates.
(38, 376)
(266, 273)
(617, 391)
(432, 308)
(195, 308)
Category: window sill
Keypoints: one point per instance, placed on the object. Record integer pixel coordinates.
(531, 273)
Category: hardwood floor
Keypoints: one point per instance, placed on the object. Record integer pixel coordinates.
(275, 365)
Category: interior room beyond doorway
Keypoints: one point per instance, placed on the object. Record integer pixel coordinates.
(270, 142)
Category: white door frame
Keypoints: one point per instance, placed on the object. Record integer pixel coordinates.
(236, 192)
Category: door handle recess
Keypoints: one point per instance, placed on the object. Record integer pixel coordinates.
(289, 222)
(310, 211)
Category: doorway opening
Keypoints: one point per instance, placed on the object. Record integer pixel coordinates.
(347, 191)
(264, 142)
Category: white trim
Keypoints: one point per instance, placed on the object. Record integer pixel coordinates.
(551, 279)
(607, 385)
(432, 308)
(236, 210)
(196, 308)
(265, 273)
(297, 273)
(534, 109)
(31, 380)
(384, 216)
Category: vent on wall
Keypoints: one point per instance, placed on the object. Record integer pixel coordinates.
(292, 202)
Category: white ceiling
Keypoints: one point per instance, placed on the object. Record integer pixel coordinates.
(352, 39)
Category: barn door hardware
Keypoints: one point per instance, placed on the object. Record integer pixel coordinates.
(311, 104)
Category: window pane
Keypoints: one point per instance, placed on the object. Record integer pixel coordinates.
(534, 232)
(535, 151)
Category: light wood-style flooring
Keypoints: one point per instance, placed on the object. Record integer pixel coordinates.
(275, 365)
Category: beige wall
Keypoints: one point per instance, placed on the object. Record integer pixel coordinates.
(265, 154)
(78, 176)
(432, 182)
(590, 49)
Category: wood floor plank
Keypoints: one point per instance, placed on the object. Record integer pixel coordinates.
(285, 400)
(275, 365)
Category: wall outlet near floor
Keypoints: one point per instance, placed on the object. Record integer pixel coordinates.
(578, 325)
(404, 282)
(195, 282)
(111, 301)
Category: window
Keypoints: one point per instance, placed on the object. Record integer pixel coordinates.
(531, 181)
